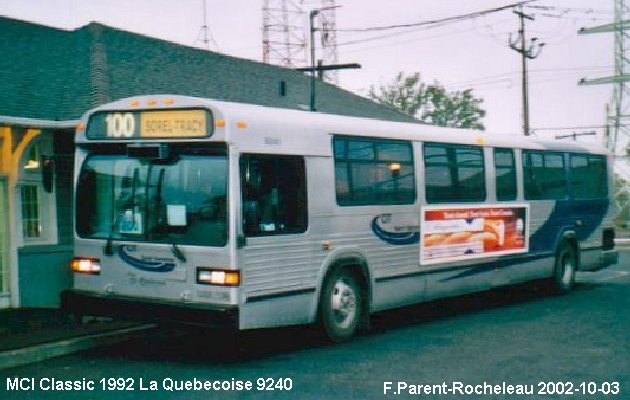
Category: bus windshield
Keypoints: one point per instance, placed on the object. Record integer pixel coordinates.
(181, 200)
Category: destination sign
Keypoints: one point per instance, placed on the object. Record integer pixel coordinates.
(152, 124)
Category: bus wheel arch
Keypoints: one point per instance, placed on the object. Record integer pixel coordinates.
(345, 289)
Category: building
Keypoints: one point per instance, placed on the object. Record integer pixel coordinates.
(49, 77)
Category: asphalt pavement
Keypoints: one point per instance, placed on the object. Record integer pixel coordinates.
(577, 344)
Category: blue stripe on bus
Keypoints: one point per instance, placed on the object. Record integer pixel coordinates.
(465, 271)
(564, 216)
(145, 265)
(395, 238)
(498, 264)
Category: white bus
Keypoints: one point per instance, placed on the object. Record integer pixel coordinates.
(201, 211)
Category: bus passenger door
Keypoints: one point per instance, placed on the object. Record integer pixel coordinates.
(275, 256)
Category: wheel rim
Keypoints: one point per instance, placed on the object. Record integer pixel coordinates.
(343, 304)
(568, 270)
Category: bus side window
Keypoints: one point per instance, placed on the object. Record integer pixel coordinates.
(544, 175)
(373, 171)
(588, 176)
(273, 194)
(505, 172)
(453, 173)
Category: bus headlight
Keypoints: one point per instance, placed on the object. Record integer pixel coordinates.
(85, 265)
(209, 276)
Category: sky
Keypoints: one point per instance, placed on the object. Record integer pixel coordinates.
(469, 54)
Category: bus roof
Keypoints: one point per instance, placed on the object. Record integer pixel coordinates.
(256, 128)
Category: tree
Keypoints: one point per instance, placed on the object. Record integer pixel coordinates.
(431, 103)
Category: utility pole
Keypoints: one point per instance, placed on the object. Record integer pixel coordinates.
(574, 135)
(318, 70)
(527, 52)
(311, 22)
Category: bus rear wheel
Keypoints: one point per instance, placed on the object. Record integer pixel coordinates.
(340, 305)
(564, 269)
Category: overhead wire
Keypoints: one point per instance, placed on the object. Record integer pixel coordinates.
(455, 18)
(488, 27)
(562, 128)
(409, 40)
(569, 9)
(419, 26)
(538, 75)
(415, 27)
(386, 36)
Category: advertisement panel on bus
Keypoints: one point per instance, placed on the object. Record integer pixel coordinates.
(452, 233)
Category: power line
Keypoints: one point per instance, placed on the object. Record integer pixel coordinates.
(403, 41)
(438, 23)
(408, 40)
(430, 24)
(456, 18)
(568, 128)
(510, 81)
(570, 9)
(396, 34)
(510, 74)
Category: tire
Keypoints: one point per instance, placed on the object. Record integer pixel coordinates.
(341, 306)
(564, 269)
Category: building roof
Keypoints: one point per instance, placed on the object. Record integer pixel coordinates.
(57, 75)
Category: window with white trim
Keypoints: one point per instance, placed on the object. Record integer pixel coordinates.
(31, 219)
(37, 217)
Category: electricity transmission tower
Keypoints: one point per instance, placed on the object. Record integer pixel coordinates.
(329, 38)
(284, 38)
(284, 34)
(617, 133)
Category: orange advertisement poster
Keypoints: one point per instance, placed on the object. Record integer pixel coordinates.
(461, 233)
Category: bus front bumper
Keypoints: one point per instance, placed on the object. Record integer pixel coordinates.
(91, 304)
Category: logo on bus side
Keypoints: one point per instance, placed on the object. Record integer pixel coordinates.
(151, 265)
(396, 235)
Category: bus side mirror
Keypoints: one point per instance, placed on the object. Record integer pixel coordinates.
(48, 173)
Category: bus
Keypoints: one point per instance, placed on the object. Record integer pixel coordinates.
(209, 212)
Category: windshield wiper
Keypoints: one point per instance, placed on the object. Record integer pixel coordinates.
(178, 253)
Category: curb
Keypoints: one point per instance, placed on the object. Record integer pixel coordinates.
(40, 352)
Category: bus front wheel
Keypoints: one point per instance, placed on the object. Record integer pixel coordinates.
(564, 268)
(340, 305)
